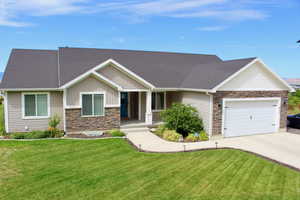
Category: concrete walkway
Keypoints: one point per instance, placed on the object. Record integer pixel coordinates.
(282, 147)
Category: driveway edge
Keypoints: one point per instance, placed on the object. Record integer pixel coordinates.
(220, 148)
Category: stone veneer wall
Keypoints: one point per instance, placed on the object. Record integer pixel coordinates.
(218, 96)
(75, 122)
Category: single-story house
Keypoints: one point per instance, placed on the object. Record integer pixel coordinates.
(294, 82)
(99, 89)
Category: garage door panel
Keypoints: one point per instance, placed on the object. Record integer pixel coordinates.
(249, 117)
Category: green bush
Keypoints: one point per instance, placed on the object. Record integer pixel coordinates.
(191, 138)
(116, 133)
(203, 136)
(182, 118)
(36, 135)
(171, 135)
(294, 102)
(54, 121)
(18, 135)
(54, 132)
(160, 130)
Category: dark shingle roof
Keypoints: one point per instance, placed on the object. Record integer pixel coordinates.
(161, 69)
(209, 75)
(39, 68)
(31, 69)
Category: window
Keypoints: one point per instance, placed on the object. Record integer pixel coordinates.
(158, 100)
(36, 105)
(92, 104)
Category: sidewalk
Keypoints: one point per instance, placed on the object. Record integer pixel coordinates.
(280, 147)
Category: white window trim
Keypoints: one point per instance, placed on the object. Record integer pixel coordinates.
(165, 102)
(92, 93)
(35, 117)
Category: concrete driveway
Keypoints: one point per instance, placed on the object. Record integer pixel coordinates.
(282, 147)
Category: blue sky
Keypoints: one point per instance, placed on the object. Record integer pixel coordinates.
(231, 29)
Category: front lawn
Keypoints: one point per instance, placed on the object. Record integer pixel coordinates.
(112, 169)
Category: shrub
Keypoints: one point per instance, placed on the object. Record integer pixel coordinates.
(294, 102)
(160, 130)
(171, 135)
(18, 135)
(54, 132)
(54, 121)
(31, 135)
(191, 138)
(182, 118)
(116, 133)
(37, 135)
(203, 136)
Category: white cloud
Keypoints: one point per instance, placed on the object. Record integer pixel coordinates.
(212, 28)
(13, 11)
(170, 6)
(230, 10)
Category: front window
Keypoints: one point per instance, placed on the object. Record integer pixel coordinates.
(158, 100)
(92, 104)
(36, 105)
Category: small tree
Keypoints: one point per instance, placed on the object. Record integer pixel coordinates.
(53, 123)
(182, 118)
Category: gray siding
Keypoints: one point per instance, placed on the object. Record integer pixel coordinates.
(17, 124)
(91, 84)
(120, 78)
(202, 103)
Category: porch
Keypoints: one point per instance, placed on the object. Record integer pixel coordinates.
(141, 107)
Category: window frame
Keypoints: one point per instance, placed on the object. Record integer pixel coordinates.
(165, 102)
(35, 94)
(93, 93)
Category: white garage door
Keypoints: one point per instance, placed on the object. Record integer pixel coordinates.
(250, 117)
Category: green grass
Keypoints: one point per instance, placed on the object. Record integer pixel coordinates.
(112, 169)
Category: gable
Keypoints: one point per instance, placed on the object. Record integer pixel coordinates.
(120, 78)
(91, 84)
(256, 77)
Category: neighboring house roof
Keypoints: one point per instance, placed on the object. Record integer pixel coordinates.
(39, 68)
(295, 82)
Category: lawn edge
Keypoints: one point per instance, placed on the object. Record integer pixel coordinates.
(218, 148)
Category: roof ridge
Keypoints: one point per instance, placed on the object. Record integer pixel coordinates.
(133, 50)
(239, 59)
(22, 49)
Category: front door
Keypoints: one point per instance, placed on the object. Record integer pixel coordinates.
(124, 105)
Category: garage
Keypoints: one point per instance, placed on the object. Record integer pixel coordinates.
(250, 116)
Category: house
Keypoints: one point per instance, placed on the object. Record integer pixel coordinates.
(98, 89)
(294, 82)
